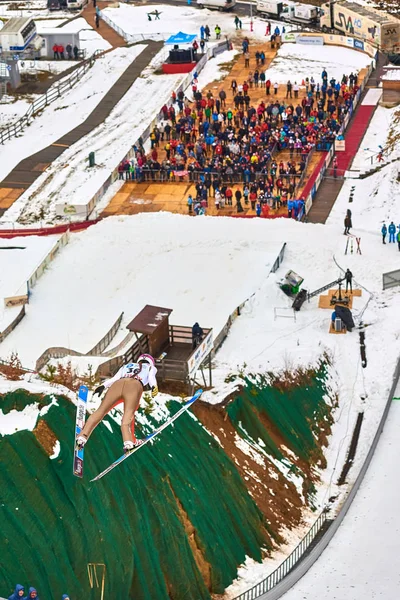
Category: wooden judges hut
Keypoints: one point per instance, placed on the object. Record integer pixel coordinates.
(171, 346)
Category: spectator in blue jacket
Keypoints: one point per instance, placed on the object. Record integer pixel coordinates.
(384, 233)
(33, 595)
(392, 231)
(18, 592)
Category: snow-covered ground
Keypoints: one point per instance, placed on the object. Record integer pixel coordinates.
(37, 9)
(375, 200)
(214, 70)
(19, 257)
(361, 560)
(297, 61)
(43, 24)
(51, 66)
(203, 268)
(89, 39)
(133, 20)
(11, 110)
(71, 109)
(69, 180)
(168, 261)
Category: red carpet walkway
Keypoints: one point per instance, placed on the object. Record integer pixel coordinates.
(330, 188)
(354, 136)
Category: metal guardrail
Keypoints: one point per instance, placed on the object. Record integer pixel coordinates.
(52, 94)
(276, 576)
(391, 279)
(172, 176)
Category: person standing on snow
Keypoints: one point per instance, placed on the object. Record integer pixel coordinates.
(398, 240)
(126, 386)
(18, 592)
(384, 233)
(392, 231)
(347, 225)
(349, 278)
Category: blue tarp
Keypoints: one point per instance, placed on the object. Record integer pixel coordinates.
(181, 38)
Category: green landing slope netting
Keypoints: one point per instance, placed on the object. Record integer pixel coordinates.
(175, 501)
(293, 415)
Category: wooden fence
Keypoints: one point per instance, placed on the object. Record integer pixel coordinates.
(52, 94)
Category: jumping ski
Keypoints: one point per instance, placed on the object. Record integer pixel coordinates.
(150, 436)
(80, 422)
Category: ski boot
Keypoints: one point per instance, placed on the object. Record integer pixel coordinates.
(129, 446)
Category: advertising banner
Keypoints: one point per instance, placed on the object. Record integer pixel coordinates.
(340, 145)
(311, 40)
(289, 37)
(200, 353)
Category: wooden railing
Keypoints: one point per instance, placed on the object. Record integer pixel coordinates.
(56, 91)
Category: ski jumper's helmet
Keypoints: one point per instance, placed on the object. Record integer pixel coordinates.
(148, 359)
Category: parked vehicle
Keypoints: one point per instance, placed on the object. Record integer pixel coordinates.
(271, 8)
(56, 4)
(367, 24)
(76, 4)
(17, 34)
(288, 11)
(217, 4)
(303, 13)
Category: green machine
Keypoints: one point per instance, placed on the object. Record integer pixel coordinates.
(291, 283)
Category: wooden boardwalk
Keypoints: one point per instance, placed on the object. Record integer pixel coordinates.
(29, 169)
(107, 32)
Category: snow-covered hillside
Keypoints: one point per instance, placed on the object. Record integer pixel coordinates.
(70, 110)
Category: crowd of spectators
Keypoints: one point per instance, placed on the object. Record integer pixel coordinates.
(19, 594)
(226, 138)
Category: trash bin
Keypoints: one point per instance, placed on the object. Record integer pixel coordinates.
(91, 159)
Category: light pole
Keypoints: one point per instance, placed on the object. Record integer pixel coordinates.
(251, 15)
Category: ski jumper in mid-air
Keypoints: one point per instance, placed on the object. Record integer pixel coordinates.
(126, 386)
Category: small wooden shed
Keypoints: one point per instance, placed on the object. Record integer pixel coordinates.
(153, 322)
(177, 360)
